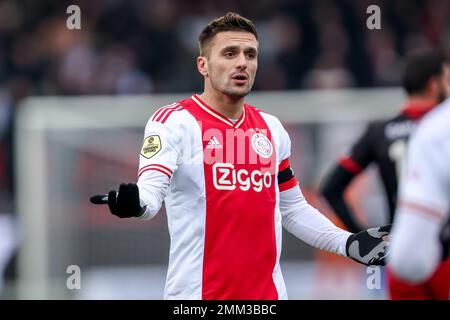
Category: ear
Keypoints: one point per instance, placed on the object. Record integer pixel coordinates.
(202, 65)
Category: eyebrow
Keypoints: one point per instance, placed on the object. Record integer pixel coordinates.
(236, 48)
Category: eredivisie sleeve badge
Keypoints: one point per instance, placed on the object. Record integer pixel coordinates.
(151, 146)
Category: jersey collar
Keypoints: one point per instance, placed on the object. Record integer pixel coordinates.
(218, 115)
(417, 110)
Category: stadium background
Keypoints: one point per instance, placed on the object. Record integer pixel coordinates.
(73, 104)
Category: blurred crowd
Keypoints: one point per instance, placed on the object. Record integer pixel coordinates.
(138, 46)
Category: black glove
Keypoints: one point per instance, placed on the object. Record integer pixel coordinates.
(368, 247)
(444, 236)
(125, 204)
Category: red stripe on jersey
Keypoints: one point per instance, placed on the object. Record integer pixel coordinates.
(288, 184)
(284, 165)
(156, 165)
(158, 112)
(423, 210)
(291, 182)
(350, 165)
(240, 249)
(164, 118)
(164, 112)
(154, 169)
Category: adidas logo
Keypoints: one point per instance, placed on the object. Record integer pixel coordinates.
(213, 143)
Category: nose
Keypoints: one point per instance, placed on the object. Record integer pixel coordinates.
(241, 61)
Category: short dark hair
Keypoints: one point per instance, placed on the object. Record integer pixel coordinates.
(420, 67)
(229, 22)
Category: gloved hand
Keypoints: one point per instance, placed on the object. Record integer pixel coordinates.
(368, 247)
(125, 204)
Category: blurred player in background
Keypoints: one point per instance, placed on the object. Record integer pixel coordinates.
(222, 168)
(426, 79)
(423, 210)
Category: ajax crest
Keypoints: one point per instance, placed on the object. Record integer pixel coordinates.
(262, 145)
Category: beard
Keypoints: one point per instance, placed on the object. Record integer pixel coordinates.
(229, 89)
(239, 92)
(442, 94)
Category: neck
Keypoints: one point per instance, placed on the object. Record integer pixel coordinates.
(420, 100)
(230, 107)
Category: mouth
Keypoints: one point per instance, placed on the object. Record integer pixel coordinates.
(240, 78)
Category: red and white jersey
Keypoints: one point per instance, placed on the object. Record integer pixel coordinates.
(424, 198)
(220, 182)
(427, 176)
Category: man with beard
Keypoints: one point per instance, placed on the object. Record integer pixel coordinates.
(423, 211)
(222, 168)
(426, 80)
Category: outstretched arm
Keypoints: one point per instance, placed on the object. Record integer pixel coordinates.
(308, 224)
(159, 159)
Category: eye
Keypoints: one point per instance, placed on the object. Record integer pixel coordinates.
(251, 55)
(229, 54)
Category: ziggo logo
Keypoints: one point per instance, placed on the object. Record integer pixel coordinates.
(226, 177)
